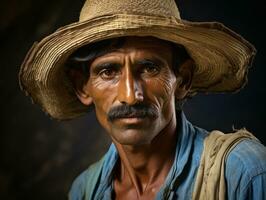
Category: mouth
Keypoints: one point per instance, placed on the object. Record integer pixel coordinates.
(132, 119)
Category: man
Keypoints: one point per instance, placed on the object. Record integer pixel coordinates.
(135, 62)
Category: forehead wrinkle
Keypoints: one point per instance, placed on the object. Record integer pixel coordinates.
(136, 53)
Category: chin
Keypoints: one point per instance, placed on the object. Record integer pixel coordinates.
(133, 137)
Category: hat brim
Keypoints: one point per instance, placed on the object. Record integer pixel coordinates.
(222, 57)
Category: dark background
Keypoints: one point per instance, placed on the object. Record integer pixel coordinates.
(40, 157)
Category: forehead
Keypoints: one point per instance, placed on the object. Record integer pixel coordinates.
(142, 45)
(85, 55)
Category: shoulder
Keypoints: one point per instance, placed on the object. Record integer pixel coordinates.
(80, 185)
(250, 155)
(245, 167)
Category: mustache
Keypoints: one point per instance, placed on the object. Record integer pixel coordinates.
(128, 111)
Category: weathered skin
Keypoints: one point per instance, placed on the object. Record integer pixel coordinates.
(138, 73)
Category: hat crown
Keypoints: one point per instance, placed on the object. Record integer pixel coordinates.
(96, 8)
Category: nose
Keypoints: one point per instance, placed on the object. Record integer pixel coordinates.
(130, 89)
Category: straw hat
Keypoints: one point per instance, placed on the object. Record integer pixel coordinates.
(222, 57)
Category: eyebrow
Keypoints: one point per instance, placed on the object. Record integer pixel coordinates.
(150, 61)
(102, 66)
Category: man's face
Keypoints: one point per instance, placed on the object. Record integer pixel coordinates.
(133, 90)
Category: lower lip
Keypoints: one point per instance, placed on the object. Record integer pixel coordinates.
(133, 120)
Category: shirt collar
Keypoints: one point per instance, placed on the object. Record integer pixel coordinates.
(186, 133)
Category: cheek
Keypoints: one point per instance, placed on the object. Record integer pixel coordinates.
(162, 88)
(103, 94)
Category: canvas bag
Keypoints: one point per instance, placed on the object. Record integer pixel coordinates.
(210, 181)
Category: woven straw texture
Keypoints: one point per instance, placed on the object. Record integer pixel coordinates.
(222, 57)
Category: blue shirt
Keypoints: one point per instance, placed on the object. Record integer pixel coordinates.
(245, 170)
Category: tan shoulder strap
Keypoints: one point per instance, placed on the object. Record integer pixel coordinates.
(210, 181)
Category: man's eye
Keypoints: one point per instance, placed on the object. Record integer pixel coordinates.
(108, 73)
(151, 69)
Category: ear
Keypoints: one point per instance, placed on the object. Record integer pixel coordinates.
(184, 78)
(81, 87)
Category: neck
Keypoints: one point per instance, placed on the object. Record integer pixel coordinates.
(146, 166)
